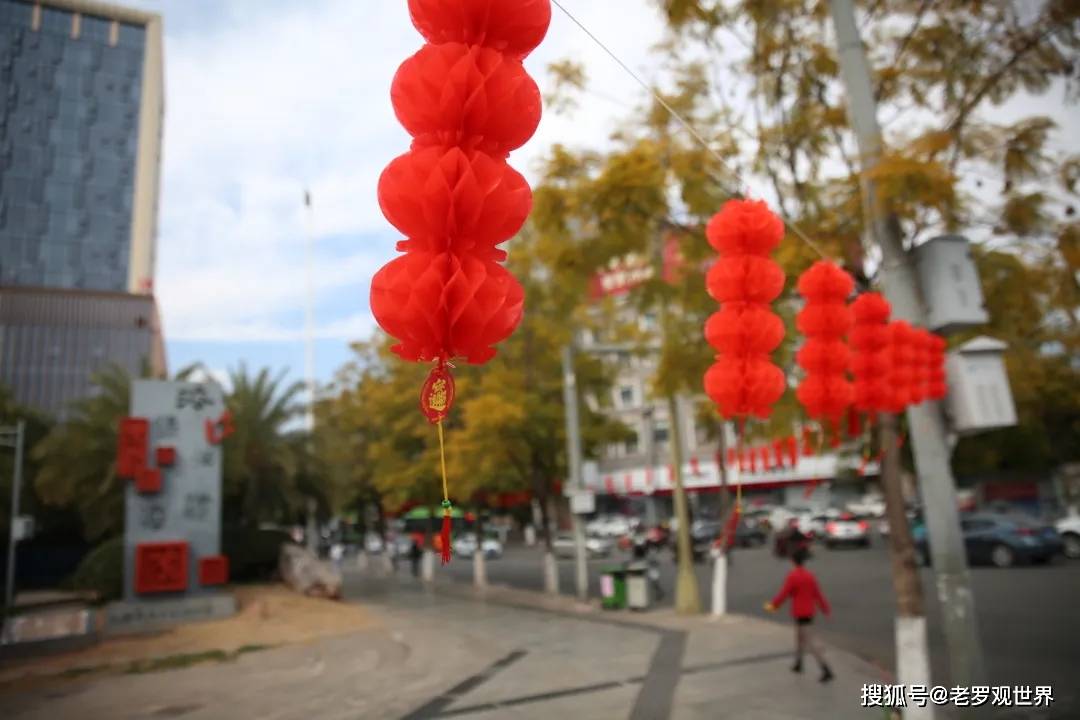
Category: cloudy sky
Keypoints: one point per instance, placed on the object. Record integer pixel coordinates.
(265, 98)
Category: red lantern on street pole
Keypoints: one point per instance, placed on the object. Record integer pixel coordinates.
(825, 392)
(743, 382)
(467, 101)
(870, 352)
(901, 359)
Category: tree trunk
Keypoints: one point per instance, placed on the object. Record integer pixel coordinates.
(912, 654)
(479, 561)
(551, 569)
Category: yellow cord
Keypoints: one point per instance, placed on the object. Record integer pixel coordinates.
(442, 463)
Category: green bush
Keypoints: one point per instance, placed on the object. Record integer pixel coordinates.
(252, 553)
(102, 570)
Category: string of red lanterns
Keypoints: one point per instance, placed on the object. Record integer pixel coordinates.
(743, 381)
(467, 101)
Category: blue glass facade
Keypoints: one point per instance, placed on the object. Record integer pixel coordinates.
(69, 120)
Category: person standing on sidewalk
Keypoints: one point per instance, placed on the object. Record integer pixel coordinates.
(806, 596)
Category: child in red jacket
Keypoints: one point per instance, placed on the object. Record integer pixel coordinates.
(802, 587)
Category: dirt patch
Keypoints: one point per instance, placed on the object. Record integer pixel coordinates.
(267, 616)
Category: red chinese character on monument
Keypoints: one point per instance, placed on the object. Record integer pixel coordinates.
(213, 570)
(161, 567)
(218, 430)
(131, 447)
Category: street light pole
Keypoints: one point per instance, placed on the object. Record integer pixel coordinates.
(16, 488)
(573, 454)
(926, 423)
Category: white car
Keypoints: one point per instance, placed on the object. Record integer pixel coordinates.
(465, 546)
(563, 546)
(610, 526)
(870, 505)
(847, 530)
(1069, 529)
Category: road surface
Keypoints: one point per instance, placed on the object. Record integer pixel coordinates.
(1028, 616)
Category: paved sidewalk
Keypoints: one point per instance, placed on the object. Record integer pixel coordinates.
(445, 652)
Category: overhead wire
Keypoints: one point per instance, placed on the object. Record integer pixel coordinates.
(794, 227)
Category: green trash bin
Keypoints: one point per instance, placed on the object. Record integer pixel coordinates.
(613, 588)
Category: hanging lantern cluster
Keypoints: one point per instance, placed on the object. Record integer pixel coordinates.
(467, 101)
(743, 382)
(825, 392)
(901, 362)
(936, 385)
(870, 352)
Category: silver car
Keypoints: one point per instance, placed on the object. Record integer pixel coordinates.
(563, 546)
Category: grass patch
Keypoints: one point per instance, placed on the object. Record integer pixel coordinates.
(243, 649)
(175, 662)
(183, 660)
(84, 670)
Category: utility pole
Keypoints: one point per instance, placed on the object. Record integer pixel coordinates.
(17, 436)
(925, 421)
(912, 656)
(573, 455)
(719, 585)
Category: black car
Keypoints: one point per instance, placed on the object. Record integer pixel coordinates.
(999, 540)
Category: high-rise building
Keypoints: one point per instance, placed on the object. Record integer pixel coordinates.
(81, 109)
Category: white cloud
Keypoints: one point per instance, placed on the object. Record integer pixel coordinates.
(265, 99)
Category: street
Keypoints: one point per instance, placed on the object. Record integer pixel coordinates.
(1028, 615)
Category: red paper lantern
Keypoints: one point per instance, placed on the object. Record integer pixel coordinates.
(514, 29)
(467, 101)
(743, 382)
(901, 372)
(870, 352)
(825, 320)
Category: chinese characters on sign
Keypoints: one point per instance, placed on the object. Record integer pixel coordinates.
(898, 696)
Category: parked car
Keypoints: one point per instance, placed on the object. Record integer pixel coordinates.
(999, 540)
(465, 546)
(848, 529)
(1069, 529)
(759, 517)
(870, 506)
(563, 546)
(706, 537)
(610, 526)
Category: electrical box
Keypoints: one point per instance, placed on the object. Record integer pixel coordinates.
(950, 284)
(979, 394)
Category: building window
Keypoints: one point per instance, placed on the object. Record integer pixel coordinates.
(631, 445)
(660, 433)
(626, 396)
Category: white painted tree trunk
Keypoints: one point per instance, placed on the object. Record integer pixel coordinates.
(479, 569)
(551, 574)
(719, 585)
(913, 661)
(427, 566)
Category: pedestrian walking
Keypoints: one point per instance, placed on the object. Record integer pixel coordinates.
(415, 552)
(806, 597)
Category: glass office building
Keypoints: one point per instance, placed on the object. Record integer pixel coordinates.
(81, 105)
